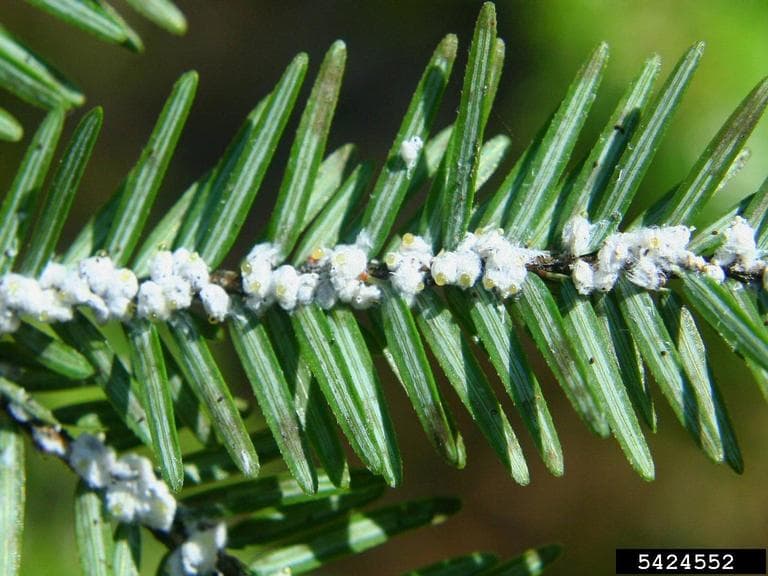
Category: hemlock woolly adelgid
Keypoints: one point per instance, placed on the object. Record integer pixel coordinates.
(408, 265)
(410, 149)
(576, 235)
(650, 255)
(646, 256)
(132, 492)
(198, 554)
(739, 247)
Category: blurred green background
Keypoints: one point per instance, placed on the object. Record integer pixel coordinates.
(240, 47)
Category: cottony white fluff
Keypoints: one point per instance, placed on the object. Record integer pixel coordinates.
(338, 274)
(576, 234)
(177, 292)
(739, 247)
(137, 495)
(73, 289)
(98, 272)
(132, 491)
(348, 275)
(49, 442)
(715, 272)
(24, 296)
(445, 268)
(152, 302)
(112, 289)
(191, 267)
(308, 284)
(410, 150)
(505, 263)
(286, 286)
(460, 268)
(647, 273)
(583, 276)
(175, 279)
(92, 460)
(648, 255)
(216, 302)
(505, 270)
(408, 266)
(198, 554)
(257, 276)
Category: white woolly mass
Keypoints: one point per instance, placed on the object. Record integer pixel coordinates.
(55, 275)
(257, 270)
(666, 246)
(98, 272)
(468, 268)
(613, 254)
(365, 296)
(216, 302)
(338, 274)
(175, 279)
(576, 234)
(409, 265)
(123, 284)
(189, 266)
(646, 272)
(347, 275)
(648, 255)
(20, 295)
(92, 460)
(257, 276)
(161, 266)
(715, 272)
(72, 288)
(308, 284)
(152, 302)
(198, 554)
(285, 280)
(458, 268)
(505, 269)
(583, 276)
(410, 150)
(445, 268)
(505, 263)
(48, 442)
(94, 283)
(137, 495)
(132, 491)
(177, 292)
(108, 291)
(348, 263)
(739, 248)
